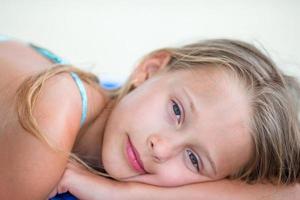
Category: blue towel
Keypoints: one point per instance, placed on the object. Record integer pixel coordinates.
(64, 196)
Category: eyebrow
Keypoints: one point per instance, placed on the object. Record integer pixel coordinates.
(212, 163)
(194, 111)
(190, 100)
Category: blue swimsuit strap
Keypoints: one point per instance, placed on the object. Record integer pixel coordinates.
(56, 59)
(49, 55)
(83, 95)
(4, 38)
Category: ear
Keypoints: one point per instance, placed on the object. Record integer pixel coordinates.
(150, 66)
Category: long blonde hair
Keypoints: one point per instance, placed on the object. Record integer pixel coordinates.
(274, 122)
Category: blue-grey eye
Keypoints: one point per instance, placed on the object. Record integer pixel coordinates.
(177, 111)
(193, 158)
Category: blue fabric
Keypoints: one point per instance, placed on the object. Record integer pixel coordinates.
(64, 196)
(4, 38)
(83, 96)
(111, 85)
(49, 55)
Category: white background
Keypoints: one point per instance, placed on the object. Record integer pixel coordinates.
(112, 35)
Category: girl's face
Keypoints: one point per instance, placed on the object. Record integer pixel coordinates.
(179, 128)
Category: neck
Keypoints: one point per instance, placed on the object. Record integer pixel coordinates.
(88, 145)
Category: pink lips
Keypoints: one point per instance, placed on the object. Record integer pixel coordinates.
(133, 158)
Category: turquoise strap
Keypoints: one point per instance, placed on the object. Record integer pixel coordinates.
(83, 96)
(48, 54)
(4, 38)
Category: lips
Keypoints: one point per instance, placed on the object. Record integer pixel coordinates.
(134, 158)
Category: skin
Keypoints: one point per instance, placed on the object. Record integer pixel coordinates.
(86, 185)
(163, 138)
(30, 170)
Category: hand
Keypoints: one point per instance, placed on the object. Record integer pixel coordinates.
(86, 185)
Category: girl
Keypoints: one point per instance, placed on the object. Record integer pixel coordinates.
(214, 110)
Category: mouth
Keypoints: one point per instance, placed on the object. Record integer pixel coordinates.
(134, 158)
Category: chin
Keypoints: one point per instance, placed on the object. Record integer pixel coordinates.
(113, 167)
(117, 172)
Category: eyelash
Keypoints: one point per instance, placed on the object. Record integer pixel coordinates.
(180, 110)
(194, 159)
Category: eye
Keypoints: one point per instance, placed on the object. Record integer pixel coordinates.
(193, 159)
(177, 111)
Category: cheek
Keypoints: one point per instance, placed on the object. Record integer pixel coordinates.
(231, 155)
(174, 177)
(145, 115)
(174, 173)
(113, 145)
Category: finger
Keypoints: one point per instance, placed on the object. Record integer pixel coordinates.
(61, 189)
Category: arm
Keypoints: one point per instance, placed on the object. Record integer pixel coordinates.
(85, 185)
(219, 190)
(29, 169)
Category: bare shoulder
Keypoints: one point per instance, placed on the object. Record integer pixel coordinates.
(29, 169)
(21, 57)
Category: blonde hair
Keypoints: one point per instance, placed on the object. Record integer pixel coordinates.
(274, 120)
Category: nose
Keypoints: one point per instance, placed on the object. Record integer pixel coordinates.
(161, 149)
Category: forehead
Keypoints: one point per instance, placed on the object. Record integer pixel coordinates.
(208, 82)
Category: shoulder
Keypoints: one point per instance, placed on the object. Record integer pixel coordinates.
(61, 98)
(28, 164)
(59, 105)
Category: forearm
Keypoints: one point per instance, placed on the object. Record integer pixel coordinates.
(220, 190)
(85, 185)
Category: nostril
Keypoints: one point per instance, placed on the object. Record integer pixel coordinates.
(152, 144)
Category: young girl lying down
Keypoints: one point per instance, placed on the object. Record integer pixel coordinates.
(217, 111)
